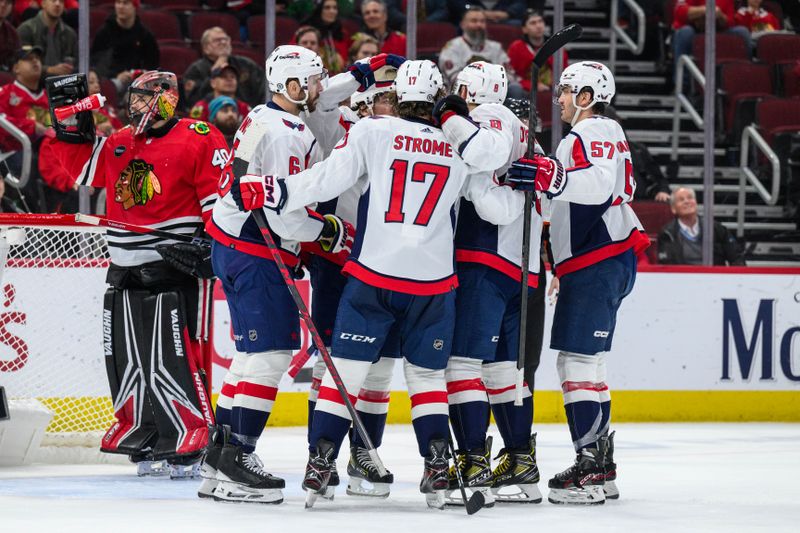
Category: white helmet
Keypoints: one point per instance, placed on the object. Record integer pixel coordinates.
(590, 74)
(293, 62)
(418, 81)
(486, 83)
(384, 82)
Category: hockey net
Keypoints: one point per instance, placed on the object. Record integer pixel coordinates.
(52, 277)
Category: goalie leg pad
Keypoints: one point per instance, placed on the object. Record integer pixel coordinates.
(581, 389)
(181, 405)
(134, 433)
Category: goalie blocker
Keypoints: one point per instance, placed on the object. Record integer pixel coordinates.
(153, 320)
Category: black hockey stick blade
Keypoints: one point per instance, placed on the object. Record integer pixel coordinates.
(563, 36)
(475, 503)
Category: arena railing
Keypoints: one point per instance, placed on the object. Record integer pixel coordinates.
(17, 181)
(617, 32)
(685, 62)
(750, 133)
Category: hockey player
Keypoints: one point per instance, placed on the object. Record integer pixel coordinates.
(374, 96)
(595, 237)
(161, 172)
(402, 281)
(485, 345)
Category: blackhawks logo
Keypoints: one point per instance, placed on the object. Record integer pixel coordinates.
(200, 127)
(137, 184)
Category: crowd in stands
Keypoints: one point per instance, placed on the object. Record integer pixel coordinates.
(216, 47)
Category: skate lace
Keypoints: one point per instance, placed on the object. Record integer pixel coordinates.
(365, 461)
(505, 463)
(253, 463)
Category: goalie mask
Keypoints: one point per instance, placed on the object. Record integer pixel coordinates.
(586, 74)
(152, 97)
(486, 83)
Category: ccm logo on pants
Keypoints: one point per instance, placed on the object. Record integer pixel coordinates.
(601, 334)
(357, 338)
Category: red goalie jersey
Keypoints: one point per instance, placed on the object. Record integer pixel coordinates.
(166, 179)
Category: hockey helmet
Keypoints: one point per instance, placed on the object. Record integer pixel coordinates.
(486, 83)
(583, 74)
(160, 92)
(384, 82)
(288, 62)
(418, 81)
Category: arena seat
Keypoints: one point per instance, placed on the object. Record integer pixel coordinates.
(742, 84)
(284, 29)
(256, 54)
(729, 48)
(790, 79)
(180, 5)
(503, 33)
(653, 216)
(201, 21)
(775, 116)
(177, 58)
(163, 25)
(432, 36)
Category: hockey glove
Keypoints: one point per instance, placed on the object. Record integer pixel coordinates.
(539, 173)
(192, 258)
(337, 235)
(364, 70)
(251, 192)
(449, 106)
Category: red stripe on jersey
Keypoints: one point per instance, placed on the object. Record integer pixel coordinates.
(249, 248)
(406, 286)
(579, 155)
(637, 240)
(332, 395)
(501, 264)
(571, 386)
(256, 391)
(462, 385)
(314, 214)
(374, 396)
(428, 397)
(228, 390)
(494, 392)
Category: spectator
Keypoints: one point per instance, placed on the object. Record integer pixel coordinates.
(681, 241)
(363, 46)
(473, 46)
(522, 51)
(334, 41)
(58, 41)
(376, 26)
(223, 112)
(224, 82)
(23, 102)
(505, 11)
(689, 19)
(105, 119)
(9, 39)
(436, 11)
(307, 37)
(123, 44)
(217, 52)
(755, 18)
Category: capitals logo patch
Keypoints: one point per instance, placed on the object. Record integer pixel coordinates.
(294, 126)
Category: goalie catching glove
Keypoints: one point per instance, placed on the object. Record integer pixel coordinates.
(251, 192)
(192, 258)
(539, 173)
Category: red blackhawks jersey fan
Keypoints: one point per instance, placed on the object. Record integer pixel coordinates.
(161, 172)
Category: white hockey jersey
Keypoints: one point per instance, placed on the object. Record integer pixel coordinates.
(591, 220)
(501, 140)
(269, 141)
(410, 179)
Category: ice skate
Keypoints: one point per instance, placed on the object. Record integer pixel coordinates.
(180, 471)
(476, 471)
(517, 476)
(609, 466)
(319, 473)
(581, 483)
(208, 466)
(435, 481)
(365, 480)
(152, 468)
(242, 478)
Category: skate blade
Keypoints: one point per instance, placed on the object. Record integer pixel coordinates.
(435, 499)
(206, 489)
(453, 497)
(525, 493)
(184, 471)
(591, 495)
(152, 468)
(233, 493)
(611, 491)
(363, 488)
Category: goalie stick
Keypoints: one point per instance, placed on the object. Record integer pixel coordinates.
(550, 46)
(261, 220)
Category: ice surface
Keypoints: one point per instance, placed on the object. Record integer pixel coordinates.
(672, 477)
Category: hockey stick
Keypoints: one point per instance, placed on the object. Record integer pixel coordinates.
(261, 220)
(476, 502)
(550, 46)
(134, 228)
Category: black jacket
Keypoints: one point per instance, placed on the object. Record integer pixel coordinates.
(116, 49)
(726, 249)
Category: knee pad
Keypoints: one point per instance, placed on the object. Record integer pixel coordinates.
(317, 373)
(427, 389)
(464, 380)
(501, 380)
(258, 385)
(373, 398)
(231, 380)
(578, 375)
